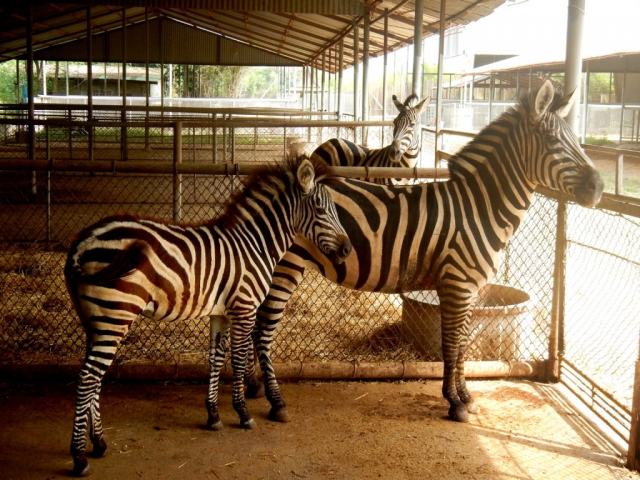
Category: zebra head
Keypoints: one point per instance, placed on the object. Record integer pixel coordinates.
(318, 219)
(407, 127)
(557, 161)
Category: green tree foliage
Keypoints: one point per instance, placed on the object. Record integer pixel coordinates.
(7, 82)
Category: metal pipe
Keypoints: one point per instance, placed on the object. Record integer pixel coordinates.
(384, 70)
(48, 157)
(365, 69)
(146, 73)
(556, 335)
(177, 178)
(322, 80)
(356, 68)
(31, 148)
(124, 154)
(585, 104)
(443, 17)
(417, 48)
(89, 82)
(622, 98)
(633, 454)
(573, 61)
(492, 80)
(340, 73)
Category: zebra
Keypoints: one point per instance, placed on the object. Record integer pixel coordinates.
(446, 236)
(403, 151)
(124, 266)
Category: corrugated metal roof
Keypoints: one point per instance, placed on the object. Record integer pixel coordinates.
(249, 32)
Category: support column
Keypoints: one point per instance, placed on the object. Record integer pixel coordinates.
(417, 49)
(324, 73)
(146, 73)
(89, 84)
(384, 71)
(124, 154)
(443, 5)
(365, 69)
(340, 72)
(633, 455)
(585, 105)
(31, 153)
(573, 61)
(356, 69)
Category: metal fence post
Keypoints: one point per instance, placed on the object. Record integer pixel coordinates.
(48, 140)
(556, 335)
(214, 140)
(633, 455)
(177, 178)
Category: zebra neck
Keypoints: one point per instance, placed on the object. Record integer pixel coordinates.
(495, 183)
(411, 155)
(268, 234)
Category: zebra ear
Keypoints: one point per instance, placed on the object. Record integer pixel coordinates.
(306, 176)
(399, 105)
(568, 103)
(543, 100)
(422, 106)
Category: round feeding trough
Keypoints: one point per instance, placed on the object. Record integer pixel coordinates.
(498, 319)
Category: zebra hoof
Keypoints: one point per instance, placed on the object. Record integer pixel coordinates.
(249, 424)
(99, 448)
(254, 390)
(216, 426)
(81, 467)
(472, 408)
(279, 414)
(459, 414)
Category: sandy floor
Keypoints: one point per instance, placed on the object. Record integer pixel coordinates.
(340, 430)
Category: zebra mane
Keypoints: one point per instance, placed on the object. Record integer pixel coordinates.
(270, 181)
(412, 100)
(506, 121)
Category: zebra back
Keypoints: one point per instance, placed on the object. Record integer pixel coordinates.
(403, 151)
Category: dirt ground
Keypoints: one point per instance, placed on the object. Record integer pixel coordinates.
(338, 430)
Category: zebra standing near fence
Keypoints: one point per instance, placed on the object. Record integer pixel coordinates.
(403, 151)
(445, 236)
(124, 266)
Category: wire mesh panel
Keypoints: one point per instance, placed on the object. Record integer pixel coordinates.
(323, 321)
(602, 309)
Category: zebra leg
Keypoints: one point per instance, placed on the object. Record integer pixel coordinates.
(242, 322)
(287, 276)
(461, 384)
(453, 310)
(219, 341)
(255, 388)
(101, 351)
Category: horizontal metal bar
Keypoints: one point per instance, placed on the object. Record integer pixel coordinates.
(200, 123)
(290, 370)
(611, 150)
(102, 166)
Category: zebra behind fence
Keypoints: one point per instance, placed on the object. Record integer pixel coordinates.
(124, 266)
(445, 236)
(403, 151)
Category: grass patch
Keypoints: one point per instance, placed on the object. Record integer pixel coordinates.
(602, 141)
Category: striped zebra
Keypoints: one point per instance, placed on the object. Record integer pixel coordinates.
(403, 151)
(445, 236)
(124, 266)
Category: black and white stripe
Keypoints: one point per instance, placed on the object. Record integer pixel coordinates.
(403, 151)
(445, 236)
(125, 266)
